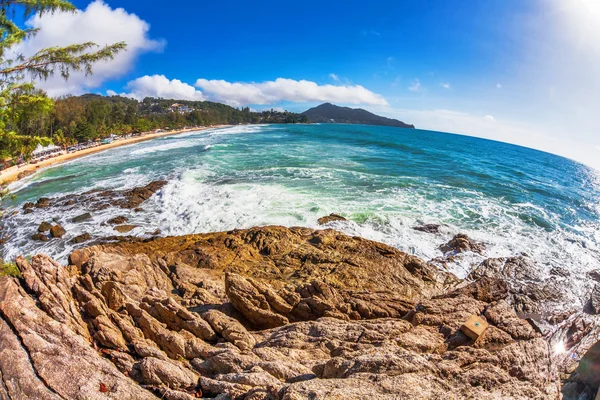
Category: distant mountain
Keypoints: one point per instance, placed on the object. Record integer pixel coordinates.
(330, 113)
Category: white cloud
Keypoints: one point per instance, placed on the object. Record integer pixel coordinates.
(334, 77)
(98, 23)
(498, 86)
(111, 93)
(416, 86)
(282, 89)
(161, 86)
(489, 118)
(445, 85)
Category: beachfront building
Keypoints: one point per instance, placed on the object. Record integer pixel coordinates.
(45, 151)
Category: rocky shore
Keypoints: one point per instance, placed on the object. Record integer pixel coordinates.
(287, 313)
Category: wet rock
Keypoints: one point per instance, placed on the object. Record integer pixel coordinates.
(117, 220)
(29, 205)
(462, 243)
(84, 237)
(82, 218)
(125, 228)
(57, 231)
(330, 218)
(428, 228)
(43, 202)
(595, 299)
(41, 237)
(594, 275)
(44, 227)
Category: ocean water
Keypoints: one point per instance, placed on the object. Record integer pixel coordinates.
(384, 180)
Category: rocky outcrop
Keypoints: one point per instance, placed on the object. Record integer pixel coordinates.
(264, 313)
(461, 243)
(95, 200)
(330, 218)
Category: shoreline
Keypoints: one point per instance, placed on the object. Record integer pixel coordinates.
(11, 175)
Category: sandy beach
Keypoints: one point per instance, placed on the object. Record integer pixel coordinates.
(11, 174)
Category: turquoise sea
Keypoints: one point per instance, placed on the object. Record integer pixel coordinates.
(384, 180)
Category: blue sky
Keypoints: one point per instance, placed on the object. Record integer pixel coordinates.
(520, 71)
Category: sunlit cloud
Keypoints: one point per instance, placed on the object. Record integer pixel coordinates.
(282, 89)
(98, 23)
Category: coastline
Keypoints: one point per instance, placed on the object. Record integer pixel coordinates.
(11, 174)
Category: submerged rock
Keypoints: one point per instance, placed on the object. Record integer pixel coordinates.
(82, 218)
(121, 219)
(125, 228)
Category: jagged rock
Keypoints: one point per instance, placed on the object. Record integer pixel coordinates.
(44, 227)
(260, 304)
(57, 231)
(120, 220)
(428, 228)
(230, 329)
(168, 373)
(462, 243)
(29, 205)
(65, 364)
(340, 316)
(595, 299)
(84, 237)
(330, 218)
(95, 200)
(82, 218)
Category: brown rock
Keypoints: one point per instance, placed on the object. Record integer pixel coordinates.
(125, 228)
(117, 220)
(42, 237)
(57, 231)
(44, 227)
(462, 243)
(330, 218)
(84, 237)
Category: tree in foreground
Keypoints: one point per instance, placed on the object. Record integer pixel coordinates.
(18, 94)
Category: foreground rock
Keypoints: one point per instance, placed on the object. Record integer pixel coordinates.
(264, 313)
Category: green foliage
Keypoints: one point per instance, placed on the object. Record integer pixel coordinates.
(9, 269)
(24, 111)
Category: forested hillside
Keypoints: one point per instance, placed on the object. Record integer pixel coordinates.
(75, 119)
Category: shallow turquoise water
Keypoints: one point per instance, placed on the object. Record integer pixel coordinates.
(385, 180)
